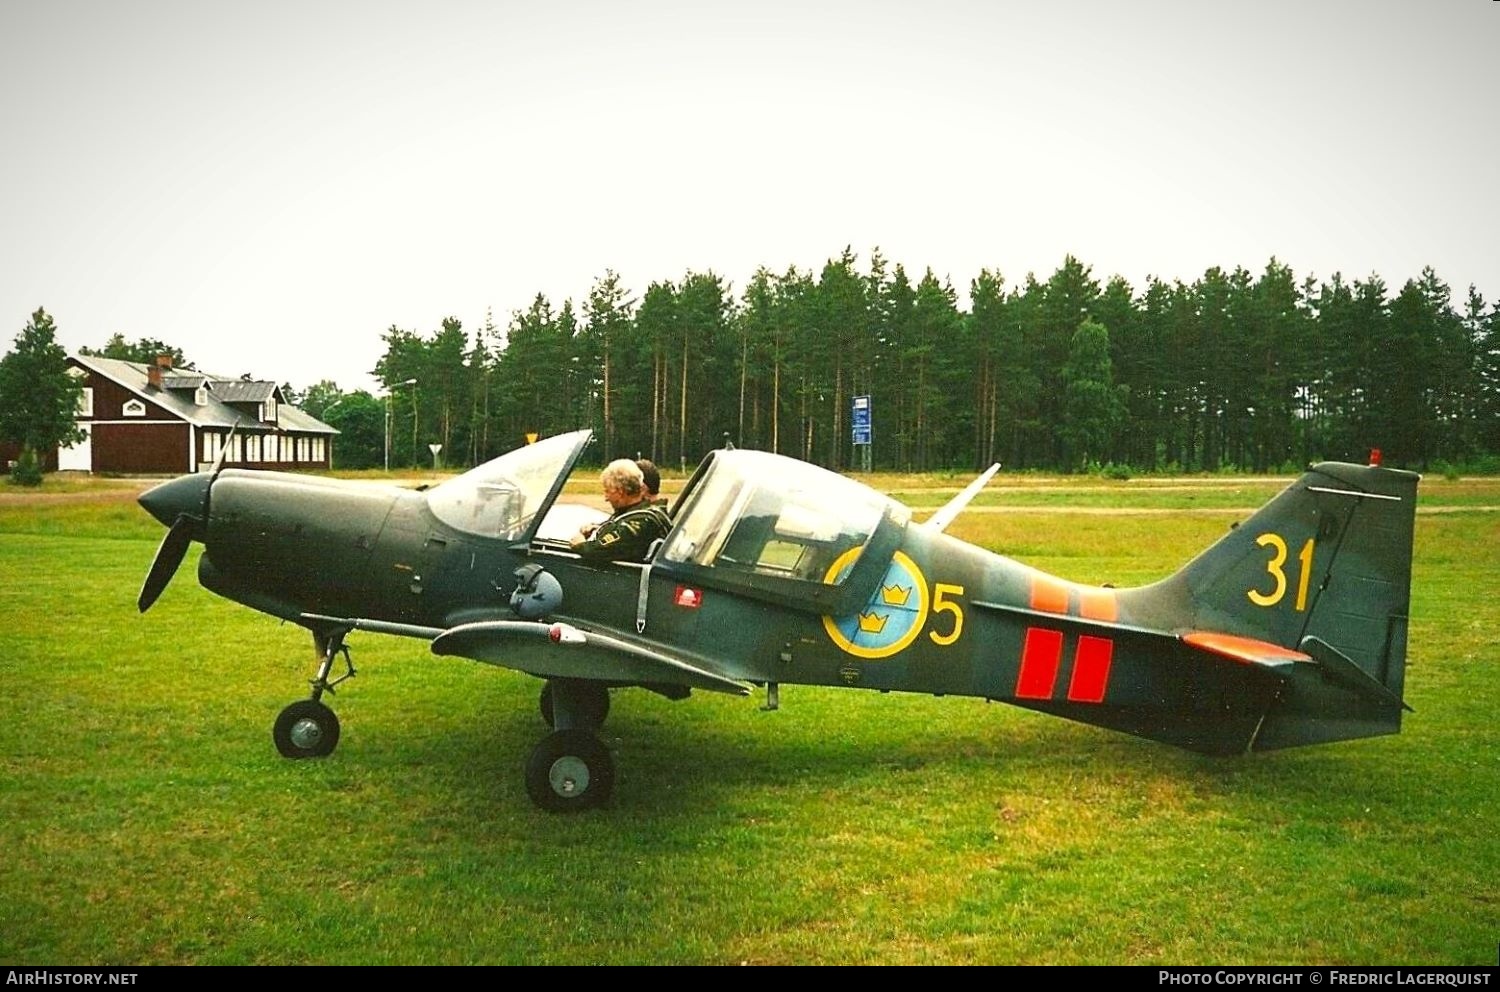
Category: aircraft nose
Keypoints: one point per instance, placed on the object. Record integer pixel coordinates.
(170, 500)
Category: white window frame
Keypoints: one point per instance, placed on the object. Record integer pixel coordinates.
(133, 408)
(86, 402)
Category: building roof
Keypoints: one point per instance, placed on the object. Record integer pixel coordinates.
(241, 390)
(182, 380)
(177, 397)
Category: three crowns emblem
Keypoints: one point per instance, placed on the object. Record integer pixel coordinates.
(895, 595)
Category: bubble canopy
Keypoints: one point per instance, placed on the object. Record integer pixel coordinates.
(781, 530)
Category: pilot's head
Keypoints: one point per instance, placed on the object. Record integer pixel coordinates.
(650, 476)
(623, 484)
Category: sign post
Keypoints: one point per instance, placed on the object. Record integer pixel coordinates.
(863, 433)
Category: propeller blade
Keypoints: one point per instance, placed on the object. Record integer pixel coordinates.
(168, 556)
(218, 465)
(213, 473)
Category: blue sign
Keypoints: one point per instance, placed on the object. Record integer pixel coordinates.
(860, 420)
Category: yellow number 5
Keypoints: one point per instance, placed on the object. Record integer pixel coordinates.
(942, 605)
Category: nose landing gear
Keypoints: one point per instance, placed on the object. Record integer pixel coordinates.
(308, 728)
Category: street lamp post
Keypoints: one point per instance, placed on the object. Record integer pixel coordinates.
(321, 415)
(389, 412)
(413, 423)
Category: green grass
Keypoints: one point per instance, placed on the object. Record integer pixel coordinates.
(146, 818)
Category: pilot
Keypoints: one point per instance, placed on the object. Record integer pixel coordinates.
(636, 523)
(652, 477)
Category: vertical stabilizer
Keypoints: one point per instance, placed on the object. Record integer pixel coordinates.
(1323, 569)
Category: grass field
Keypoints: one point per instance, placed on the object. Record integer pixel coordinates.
(145, 817)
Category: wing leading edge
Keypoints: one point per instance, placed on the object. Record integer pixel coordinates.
(563, 650)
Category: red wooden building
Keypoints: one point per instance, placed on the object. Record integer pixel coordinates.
(157, 420)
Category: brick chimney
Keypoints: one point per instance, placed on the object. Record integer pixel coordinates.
(153, 373)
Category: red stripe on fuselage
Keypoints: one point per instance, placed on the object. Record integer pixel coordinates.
(1039, 662)
(1090, 669)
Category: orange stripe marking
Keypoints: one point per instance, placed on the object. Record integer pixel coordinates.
(1246, 649)
(1048, 594)
(1098, 604)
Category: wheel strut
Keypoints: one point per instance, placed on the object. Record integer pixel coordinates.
(332, 647)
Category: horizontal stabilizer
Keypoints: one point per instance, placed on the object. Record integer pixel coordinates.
(1245, 649)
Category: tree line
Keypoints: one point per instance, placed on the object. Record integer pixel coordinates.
(1233, 371)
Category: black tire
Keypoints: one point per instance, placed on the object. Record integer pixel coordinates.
(570, 771)
(544, 703)
(306, 729)
(592, 700)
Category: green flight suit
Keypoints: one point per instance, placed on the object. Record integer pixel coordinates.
(627, 535)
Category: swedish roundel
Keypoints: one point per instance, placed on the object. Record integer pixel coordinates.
(892, 618)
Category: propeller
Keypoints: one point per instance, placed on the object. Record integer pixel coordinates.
(183, 502)
(169, 556)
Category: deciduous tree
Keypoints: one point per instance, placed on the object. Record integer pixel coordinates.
(38, 396)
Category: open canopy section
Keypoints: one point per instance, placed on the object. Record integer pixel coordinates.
(504, 498)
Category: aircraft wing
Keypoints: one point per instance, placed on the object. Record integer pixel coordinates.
(564, 650)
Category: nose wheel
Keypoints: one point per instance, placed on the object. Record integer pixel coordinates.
(308, 728)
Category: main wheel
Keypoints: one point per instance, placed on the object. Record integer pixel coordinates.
(590, 703)
(569, 771)
(306, 729)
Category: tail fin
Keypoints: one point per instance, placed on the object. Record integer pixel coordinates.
(1323, 570)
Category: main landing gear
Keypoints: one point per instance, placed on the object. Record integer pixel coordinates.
(308, 728)
(570, 769)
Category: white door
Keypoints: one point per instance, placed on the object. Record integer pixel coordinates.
(79, 457)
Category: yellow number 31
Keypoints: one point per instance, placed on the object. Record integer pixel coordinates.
(1274, 567)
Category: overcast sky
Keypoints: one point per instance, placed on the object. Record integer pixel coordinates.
(271, 185)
